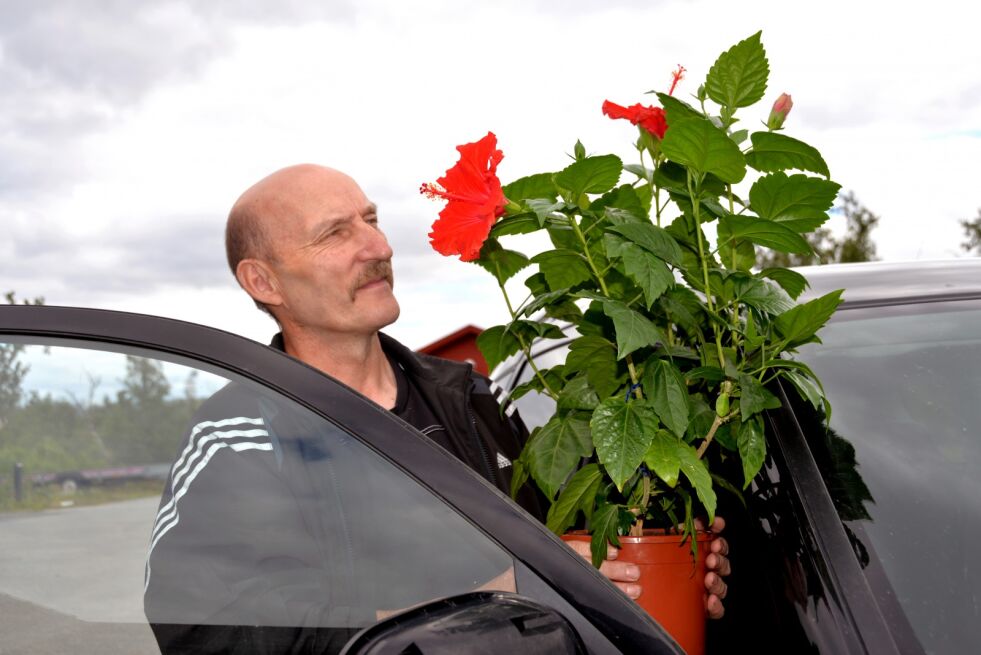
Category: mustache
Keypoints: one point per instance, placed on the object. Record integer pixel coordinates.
(379, 269)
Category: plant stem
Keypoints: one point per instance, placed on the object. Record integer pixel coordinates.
(606, 292)
(716, 424)
(637, 529)
(526, 349)
(696, 206)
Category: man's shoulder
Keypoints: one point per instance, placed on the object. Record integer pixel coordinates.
(436, 369)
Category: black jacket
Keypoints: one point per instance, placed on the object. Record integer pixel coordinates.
(259, 541)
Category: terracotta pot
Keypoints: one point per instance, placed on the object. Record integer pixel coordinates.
(673, 586)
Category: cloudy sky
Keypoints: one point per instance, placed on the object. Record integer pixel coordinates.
(128, 128)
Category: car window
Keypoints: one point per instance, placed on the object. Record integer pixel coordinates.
(905, 450)
(255, 512)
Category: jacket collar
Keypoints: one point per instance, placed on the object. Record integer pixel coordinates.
(434, 369)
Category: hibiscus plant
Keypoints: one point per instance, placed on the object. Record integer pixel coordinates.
(675, 337)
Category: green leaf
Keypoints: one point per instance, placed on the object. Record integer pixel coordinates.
(662, 457)
(763, 295)
(623, 198)
(562, 268)
(739, 136)
(650, 237)
(697, 473)
(544, 208)
(590, 175)
(596, 357)
(541, 301)
(532, 186)
(577, 394)
(622, 432)
(518, 224)
(738, 77)
(696, 143)
(702, 418)
(683, 307)
(650, 273)
(723, 483)
(501, 341)
(765, 233)
(752, 448)
(554, 451)
(642, 172)
(668, 394)
(579, 494)
(709, 373)
(798, 201)
(755, 397)
(501, 263)
(673, 178)
(537, 284)
(676, 110)
(735, 254)
(807, 388)
(799, 324)
(792, 282)
(497, 344)
(777, 152)
(604, 528)
(633, 330)
(615, 244)
(519, 475)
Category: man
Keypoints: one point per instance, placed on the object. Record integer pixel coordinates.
(305, 244)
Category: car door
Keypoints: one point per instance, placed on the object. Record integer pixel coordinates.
(279, 509)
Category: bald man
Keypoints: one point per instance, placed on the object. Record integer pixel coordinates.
(306, 245)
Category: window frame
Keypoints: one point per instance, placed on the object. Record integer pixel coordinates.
(619, 619)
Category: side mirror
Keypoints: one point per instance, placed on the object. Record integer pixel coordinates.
(477, 622)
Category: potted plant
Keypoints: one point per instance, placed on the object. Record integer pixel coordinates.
(677, 335)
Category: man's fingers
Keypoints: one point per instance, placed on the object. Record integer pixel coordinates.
(718, 563)
(719, 545)
(718, 525)
(632, 590)
(715, 585)
(582, 547)
(620, 571)
(714, 607)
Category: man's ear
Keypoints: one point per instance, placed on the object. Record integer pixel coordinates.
(259, 281)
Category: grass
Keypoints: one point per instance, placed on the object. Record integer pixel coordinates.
(51, 496)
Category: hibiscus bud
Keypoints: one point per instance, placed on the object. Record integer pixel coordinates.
(779, 112)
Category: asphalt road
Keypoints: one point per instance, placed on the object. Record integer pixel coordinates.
(71, 580)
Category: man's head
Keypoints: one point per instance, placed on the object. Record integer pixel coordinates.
(304, 242)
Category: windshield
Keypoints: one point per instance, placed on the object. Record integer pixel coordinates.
(905, 389)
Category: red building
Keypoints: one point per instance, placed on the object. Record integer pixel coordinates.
(461, 346)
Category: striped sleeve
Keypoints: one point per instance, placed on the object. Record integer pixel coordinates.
(205, 441)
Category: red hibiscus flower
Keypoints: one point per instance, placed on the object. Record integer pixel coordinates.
(474, 200)
(650, 118)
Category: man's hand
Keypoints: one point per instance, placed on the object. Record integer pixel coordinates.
(717, 565)
(625, 574)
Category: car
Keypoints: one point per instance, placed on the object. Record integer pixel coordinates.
(413, 547)
(818, 566)
(858, 538)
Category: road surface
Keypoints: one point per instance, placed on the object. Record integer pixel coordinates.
(71, 580)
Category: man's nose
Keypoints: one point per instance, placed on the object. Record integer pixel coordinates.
(375, 245)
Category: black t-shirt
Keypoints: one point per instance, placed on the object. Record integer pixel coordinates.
(411, 407)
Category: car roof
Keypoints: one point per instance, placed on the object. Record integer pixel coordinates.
(871, 283)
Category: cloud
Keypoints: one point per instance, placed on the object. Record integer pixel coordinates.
(69, 69)
(40, 258)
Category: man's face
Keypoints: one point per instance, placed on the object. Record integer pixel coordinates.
(332, 262)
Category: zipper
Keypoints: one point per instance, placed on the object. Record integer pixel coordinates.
(491, 477)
